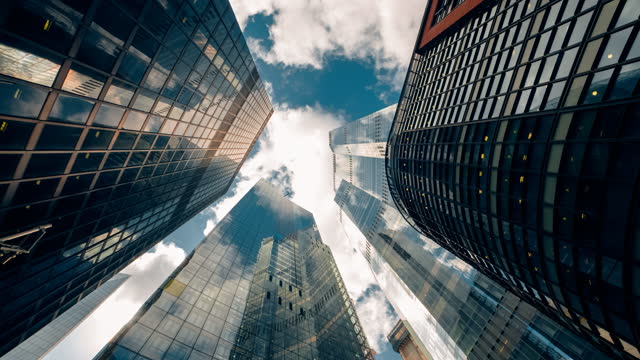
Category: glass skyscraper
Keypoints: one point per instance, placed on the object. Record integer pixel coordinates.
(261, 285)
(42, 342)
(450, 310)
(515, 147)
(119, 121)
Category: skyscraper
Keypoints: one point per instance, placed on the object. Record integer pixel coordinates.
(39, 344)
(449, 310)
(402, 342)
(119, 121)
(261, 285)
(514, 148)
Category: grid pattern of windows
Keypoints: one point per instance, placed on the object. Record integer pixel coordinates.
(465, 313)
(514, 147)
(246, 293)
(119, 121)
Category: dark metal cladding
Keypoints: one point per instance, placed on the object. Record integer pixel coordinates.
(515, 146)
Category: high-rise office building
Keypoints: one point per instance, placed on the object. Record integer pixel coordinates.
(119, 121)
(261, 285)
(42, 342)
(514, 147)
(449, 310)
(402, 342)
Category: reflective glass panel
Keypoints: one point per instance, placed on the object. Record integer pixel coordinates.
(108, 116)
(21, 100)
(71, 109)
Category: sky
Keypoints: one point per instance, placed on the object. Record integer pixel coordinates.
(324, 63)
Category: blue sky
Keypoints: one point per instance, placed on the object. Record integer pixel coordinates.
(324, 63)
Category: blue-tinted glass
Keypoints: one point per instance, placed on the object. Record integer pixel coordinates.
(145, 141)
(108, 115)
(97, 139)
(55, 137)
(71, 109)
(628, 82)
(98, 51)
(119, 93)
(76, 184)
(87, 162)
(46, 165)
(116, 160)
(132, 68)
(125, 140)
(21, 100)
(144, 42)
(134, 120)
(114, 21)
(153, 124)
(9, 163)
(14, 135)
(30, 191)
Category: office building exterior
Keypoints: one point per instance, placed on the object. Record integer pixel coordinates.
(448, 309)
(514, 146)
(119, 121)
(38, 345)
(402, 342)
(261, 285)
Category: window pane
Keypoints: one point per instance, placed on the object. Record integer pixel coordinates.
(119, 93)
(97, 139)
(83, 81)
(599, 84)
(108, 116)
(98, 51)
(615, 45)
(71, 109)
(14, 134)
(27, 66)
(154, 123)
(54, 137)
(132, 68)
(134, 120)
(87, 162)
(168, 126)
(9, 163)
(145, 100)
(627, 82)
(125, 140)
(46, 164)
(20, 100)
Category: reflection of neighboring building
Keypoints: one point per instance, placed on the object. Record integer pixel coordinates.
(262, 285)
(119, 121)
(39, 344)
(402, 342)
(451, 310)
(515, 146)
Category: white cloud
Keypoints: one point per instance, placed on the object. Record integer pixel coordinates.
(147, 274)
(305, 32)
(295, 148)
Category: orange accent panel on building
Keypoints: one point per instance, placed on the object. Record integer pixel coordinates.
(430, 32)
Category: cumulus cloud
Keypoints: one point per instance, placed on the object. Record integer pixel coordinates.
(147, 274)
(304, 33)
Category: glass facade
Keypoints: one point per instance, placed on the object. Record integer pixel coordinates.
(43, 341)
(358, 152)
(455, 311)
(119, 121)
(261, 285)
(514, 147)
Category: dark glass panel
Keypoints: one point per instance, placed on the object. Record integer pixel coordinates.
(21, 100)
(14, 134)
(76, 184)
(97, 139)
(71, 109)
(125, 141)
(54, 137)
(9, 163)
(87, 162)
(46, 165)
